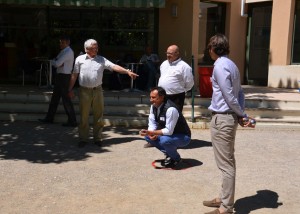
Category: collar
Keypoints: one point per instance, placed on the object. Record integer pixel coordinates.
(175, 62)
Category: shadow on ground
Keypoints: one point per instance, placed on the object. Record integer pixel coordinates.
(185, 164)
(197, 144)
(49, 143)
(263, 199)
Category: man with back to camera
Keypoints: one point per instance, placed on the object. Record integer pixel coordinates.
(151, 62)
(227, 106)
(167, 128)
(64, 64)
(89, 69)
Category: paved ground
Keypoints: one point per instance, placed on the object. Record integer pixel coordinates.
(43, 171)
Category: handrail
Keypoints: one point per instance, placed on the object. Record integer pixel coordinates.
(193, 95)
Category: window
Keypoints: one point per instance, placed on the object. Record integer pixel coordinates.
(211, 21)
(33, 31)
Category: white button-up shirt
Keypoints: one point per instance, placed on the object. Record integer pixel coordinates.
(91, 70)
(228, 94)
(64, 61)
(172, 116)
(176, 77)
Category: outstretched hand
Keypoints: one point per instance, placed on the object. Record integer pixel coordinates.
(132, 74)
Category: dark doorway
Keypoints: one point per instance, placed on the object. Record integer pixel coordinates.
(259, 26)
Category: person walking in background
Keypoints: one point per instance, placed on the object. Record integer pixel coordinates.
(227, 106)
(176, 77)
(151, 62)
(167, 128)
(64, 64)
(89, 69)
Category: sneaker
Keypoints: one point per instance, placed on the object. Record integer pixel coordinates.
(166, 161)
(172, 163)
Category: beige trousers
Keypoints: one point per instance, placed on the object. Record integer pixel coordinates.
(91, 98)
(223, 131)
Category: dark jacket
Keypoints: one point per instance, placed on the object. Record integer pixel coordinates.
(181, 125)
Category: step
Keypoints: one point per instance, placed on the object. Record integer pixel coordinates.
(132, 109)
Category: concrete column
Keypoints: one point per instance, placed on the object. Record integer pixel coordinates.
(281, 32)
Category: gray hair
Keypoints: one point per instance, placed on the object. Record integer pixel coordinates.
(88, 43)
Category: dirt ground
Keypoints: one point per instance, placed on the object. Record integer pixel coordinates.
(43, 171)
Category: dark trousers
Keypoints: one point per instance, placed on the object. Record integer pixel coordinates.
(178, 99)
(60, 90)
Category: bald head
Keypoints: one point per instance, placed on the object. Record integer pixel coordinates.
(172, 53)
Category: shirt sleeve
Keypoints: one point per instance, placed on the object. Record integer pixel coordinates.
(76, 67)
(65, 56)
(108, 64)
(172, 116)
(242, 99)
(188, 78)
(224, 80)
(152, 125)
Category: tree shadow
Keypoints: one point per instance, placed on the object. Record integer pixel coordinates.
(263, 199)
(47, 143)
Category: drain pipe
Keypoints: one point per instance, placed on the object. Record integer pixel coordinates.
(243, 14)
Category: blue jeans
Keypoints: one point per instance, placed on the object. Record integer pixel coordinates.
(168, 144)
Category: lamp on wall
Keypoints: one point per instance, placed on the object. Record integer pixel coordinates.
(174, 10)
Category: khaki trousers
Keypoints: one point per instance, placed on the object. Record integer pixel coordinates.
(223, 131)
(91, 98)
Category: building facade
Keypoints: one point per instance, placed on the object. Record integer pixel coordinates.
(263, 34)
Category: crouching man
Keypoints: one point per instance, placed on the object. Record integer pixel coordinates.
(167, 128)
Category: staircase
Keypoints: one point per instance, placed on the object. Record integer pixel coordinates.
(131, 109)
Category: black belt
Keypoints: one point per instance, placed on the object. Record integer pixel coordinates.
(226, 112)
(92, 88)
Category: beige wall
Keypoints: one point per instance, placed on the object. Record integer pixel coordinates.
(255, 1)
(281, 73)
(181, 30)
(281, 32)
(236, 27)
(184, 31)
(176, 30)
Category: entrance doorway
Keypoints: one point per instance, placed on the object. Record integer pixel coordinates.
(259, 28)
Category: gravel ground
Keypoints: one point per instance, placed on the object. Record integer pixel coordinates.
(43, 171)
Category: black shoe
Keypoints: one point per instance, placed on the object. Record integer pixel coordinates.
(148, 145)
(82, 144)
(45, 120)
(69, 124)
(98, 143)
(172, 163)
(166, 161)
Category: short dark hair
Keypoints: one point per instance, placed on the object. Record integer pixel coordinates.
(64, 38)
(160, 90)
(219, 43)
